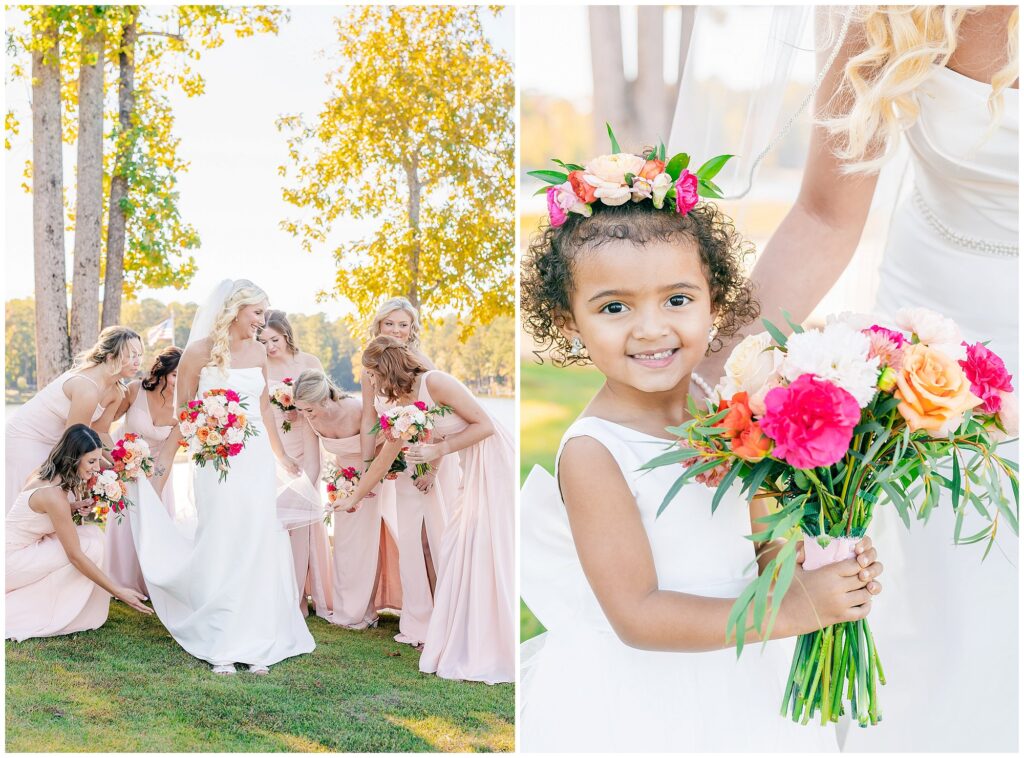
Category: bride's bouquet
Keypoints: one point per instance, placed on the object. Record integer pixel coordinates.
(341, 483)
(282, 396)
(215, 429)
(413, 424)
(833, 423)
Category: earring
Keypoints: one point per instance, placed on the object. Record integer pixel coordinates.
(712, 333)
(575, 347)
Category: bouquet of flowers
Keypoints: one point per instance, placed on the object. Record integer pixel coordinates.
(282, 397)
(411, 423)
(341, 483)
(833, 423)
(132, 457)
(215, 429)
(109, 494)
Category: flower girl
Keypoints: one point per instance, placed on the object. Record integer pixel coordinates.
(637, 275)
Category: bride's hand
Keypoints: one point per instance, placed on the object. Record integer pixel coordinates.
(134, 599)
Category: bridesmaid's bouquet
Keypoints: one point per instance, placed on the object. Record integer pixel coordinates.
(832, 423)
(341, 483)
(215, 429)
(283, 397)
(413, 424)
(109, 494)
(132, 457)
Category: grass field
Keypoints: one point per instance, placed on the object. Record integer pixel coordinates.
(128, 687)
(550, 399)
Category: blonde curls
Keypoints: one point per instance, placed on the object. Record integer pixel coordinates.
(398, 304)
(901, 43)
(243, 293)
(396, 365)
(113, 344)
(315, 387)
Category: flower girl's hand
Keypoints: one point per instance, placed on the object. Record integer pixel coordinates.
(835, 593)
(134, 599)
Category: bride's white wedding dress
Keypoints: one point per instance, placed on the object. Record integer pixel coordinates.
(228, 594)
(946, 625)
(584, 690)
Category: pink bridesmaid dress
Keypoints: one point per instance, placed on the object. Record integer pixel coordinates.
(33, 432)
(472, 632)
(311, 549)
(417, 513)
(122, 560)
(366, 578)
(45, 595)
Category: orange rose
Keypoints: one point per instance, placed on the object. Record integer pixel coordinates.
(745, 436)
(933, 390)
(202, 433)
(652, 168)
(241, 421)
(584, 191)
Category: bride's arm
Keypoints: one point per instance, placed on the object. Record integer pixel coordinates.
(615, 553)
(818, 237)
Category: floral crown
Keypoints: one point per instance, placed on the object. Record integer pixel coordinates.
(620, 177)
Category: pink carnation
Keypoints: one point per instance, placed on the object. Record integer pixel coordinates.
(235, 449)
(556, 213)
(886, 345)
(231, 395)
(384, 422)
(988, 376)
(811, 422)
(421, 405)
(686, 192)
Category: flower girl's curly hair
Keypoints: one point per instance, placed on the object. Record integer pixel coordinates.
(547, 276)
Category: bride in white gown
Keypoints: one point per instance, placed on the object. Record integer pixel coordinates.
(947, 629)
(228, 594)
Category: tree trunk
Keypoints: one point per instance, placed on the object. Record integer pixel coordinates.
(113, 280)
(650, 105)
(413, 180)
(85, 286)
(611, 92)
(53, 348)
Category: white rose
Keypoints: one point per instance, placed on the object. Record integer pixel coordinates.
(235, 435)
(403, 423)
(112, 491)
(611, 170)
(200, 420)
(659, 188)
(419, 417)
(934, 330)
(613, 195)
(188, 429)
(1009, 417)
(214, 438)
(234, 408)
(837, 353)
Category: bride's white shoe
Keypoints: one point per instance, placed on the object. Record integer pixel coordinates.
(259, 670)
(224, 669)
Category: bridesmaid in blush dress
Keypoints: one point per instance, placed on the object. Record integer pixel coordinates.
(89, 393)
(366, 578)
(311, 549)
(149, 412)
(472, 633)
(54, 583)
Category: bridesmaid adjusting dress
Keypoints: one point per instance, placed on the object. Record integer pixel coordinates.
(54, 583)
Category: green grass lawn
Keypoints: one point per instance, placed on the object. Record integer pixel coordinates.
(128, 687)
(550, 399)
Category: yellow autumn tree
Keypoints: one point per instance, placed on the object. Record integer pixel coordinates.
(418, 136)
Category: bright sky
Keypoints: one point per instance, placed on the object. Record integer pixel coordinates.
(232, 193)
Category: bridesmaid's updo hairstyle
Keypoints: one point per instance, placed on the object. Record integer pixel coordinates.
(61, 465)
(396, 365)
(165, 362)
(547, 275)
(315, 387)
(278, 321)
(398, 304)
(242, 294)
(112, 347)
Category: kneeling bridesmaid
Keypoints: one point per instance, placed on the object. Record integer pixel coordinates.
(54, 580)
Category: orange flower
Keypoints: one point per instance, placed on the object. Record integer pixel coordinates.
(652, 168)
(584, 191)
(202, 433)
(745, 436)
(933, 389)
(241, 421)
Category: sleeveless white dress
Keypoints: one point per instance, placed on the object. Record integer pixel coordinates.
(583, 689)
(229, 594)
(946, 625)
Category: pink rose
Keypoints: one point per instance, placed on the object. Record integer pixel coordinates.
(556, 213)
(988, 376)
(686, 192)
(811, 421)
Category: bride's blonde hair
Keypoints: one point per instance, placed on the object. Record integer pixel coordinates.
(901, 44)
(243, 293)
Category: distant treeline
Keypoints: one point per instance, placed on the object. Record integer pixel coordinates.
(485, 362)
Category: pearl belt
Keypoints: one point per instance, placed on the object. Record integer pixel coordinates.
(974, 244)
